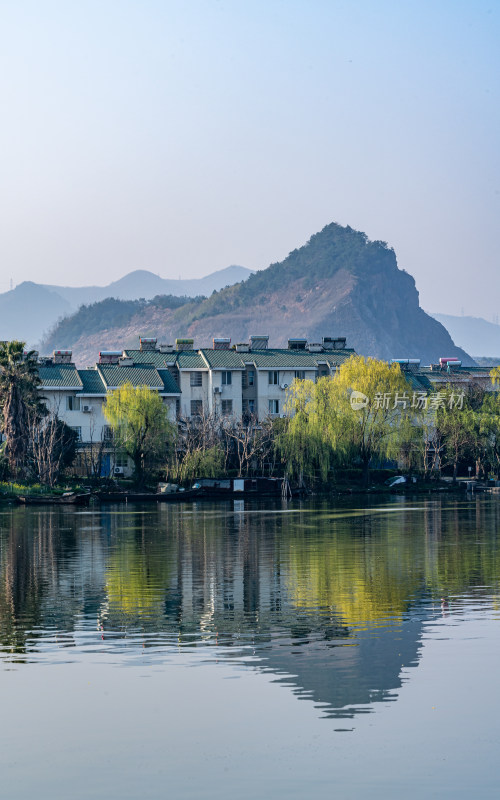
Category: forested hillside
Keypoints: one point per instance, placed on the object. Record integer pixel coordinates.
(107, 315)
(340, 283)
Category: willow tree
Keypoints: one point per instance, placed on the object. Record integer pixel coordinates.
(462, 426)
(361, 413)
(299, 439)
(20, 401)
(490, 433)
(140, 425)
(495, 377)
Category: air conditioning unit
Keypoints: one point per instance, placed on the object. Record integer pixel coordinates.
(284, 385)
(119, 471)
(86, 409)
(216, 389)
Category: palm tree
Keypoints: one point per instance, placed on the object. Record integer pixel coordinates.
(19, 397)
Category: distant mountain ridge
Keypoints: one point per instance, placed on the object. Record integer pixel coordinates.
(480, 337)
(338, 284)
(146, 284)
(31, 309)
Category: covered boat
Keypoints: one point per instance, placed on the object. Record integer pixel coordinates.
(69, 498)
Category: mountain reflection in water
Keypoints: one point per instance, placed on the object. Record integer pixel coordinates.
(332, 600)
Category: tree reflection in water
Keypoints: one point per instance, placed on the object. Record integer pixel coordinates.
(334, 596)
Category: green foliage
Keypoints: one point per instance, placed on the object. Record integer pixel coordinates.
(495, 376)
(10, 489)
(325, 430)
(207, 463)
(172, 302)
(332, 249)
(19, 400)
(140, 424)
(4, 464)
(455, 427)
(105, 314)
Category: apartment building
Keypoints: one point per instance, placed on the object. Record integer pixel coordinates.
(247, 379)
(448, 373)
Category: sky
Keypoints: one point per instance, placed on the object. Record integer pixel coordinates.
(184, 136)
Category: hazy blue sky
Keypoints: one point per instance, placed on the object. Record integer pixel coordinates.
(185, 136)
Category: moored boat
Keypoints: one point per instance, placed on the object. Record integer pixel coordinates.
(239, 487)
(69, 498)
(148, 497)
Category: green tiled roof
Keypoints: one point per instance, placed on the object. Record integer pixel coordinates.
(295, 359)
(92, 382)
(479, 370)
(230, 359)
(274, 359)
(190, 359)
(137, 376)
(336, 357)
(59, 375)
(153, 357)
(417, 381)
(169, 384)
(223, 359)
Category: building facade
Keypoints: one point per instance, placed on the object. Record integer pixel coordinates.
(248, 380)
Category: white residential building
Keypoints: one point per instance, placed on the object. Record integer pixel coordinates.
(246, 380)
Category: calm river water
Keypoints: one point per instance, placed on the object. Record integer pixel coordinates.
(234, 650)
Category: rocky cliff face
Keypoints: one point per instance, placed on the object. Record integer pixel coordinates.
(338, 284)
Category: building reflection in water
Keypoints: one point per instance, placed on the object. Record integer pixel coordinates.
(330, 600)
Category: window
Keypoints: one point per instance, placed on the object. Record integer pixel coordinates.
(195, 378)
(227, 406)
(274, 406)
(251, 406)
(72, 403)
(121, 460)
(251, 377)
(196, 408)
(226, 379)
(300, 375)
(78, 432)
(107, 433)
(274, 378)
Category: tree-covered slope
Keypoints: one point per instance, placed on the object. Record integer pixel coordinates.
(338, 284)
(108, 315)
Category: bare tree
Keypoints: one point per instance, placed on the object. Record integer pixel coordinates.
(252, 442)
(51, 447)
(95, 449)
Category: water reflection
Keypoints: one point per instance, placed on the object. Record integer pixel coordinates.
(331, 600)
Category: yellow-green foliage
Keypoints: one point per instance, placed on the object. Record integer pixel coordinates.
(371, 578)
(207, 463)
(140, 424)
(136, 580)
(324, 427)
(495, 376)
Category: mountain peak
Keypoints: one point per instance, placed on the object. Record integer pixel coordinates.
(337, 284)
(31, 309)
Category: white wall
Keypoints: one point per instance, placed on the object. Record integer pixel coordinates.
(267, 391)
(231, 392)
(189, 392)
(171, 404)
(91, 424)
